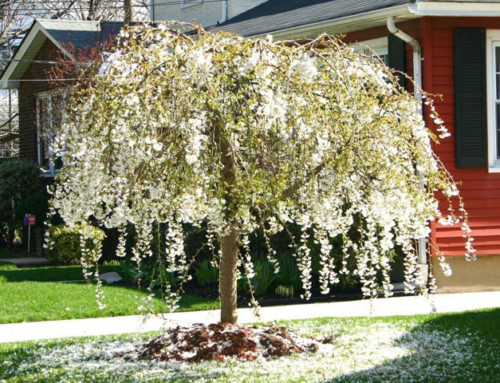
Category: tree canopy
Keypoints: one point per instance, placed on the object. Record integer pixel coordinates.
(246, 134)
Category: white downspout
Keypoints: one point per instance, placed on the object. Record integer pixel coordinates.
(417, 77)
(417, 59)
(224, 12)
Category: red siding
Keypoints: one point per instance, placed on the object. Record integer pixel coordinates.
(480, 189)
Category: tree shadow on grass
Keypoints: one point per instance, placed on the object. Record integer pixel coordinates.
(462, 347)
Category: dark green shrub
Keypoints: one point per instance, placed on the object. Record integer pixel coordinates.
(206, 274)
(20, 179)
(147, 274)
(64, 244)
(36, 204)
(289, 274)
(264, 277)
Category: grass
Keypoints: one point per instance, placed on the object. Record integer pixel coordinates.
(7, 266)
(39, 294)
(428, 348)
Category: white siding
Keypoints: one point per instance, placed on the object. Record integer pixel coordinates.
(239, 6)
(204, 13)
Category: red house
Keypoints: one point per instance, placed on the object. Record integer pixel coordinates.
(452, 48)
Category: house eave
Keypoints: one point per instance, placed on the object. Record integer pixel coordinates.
(377, 18)
(11, 75)
(344, 24)
(455, 9)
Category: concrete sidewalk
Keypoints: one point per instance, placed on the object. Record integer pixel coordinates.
(441, 303)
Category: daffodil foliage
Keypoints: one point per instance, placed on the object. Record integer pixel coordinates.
(239, 135)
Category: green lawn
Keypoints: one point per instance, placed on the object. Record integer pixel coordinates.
(429, 348)
(37, 294)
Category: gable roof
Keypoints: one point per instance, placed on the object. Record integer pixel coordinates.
(278, 15)
(306, 18)
(80, 34)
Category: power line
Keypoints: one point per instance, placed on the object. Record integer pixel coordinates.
(48, 80)
(102, 6)
(48, 62)
(72, 2)
(166, 2)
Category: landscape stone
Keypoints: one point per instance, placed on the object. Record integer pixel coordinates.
(111, 277)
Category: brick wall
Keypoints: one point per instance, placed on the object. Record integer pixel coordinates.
(27, 100)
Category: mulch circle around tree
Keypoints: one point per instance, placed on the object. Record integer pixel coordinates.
(219, 341)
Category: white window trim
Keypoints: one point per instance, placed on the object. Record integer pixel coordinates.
(190, 3)
(379, 46)
(492, 41)
(52, 171)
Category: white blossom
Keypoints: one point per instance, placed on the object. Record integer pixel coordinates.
(240, 134)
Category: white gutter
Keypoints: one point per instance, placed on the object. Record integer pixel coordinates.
(224, 12)
(378, 17)
(417, 77)
(448, 8)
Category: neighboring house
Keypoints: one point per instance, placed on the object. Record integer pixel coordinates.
(453, 49)
(204, 12)
(9, 142)
(40, 106)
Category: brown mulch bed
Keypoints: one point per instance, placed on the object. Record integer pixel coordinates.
(221, 340)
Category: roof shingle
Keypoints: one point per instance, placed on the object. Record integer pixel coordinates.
(275, 15)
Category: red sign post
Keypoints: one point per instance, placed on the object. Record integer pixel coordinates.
(29, 220)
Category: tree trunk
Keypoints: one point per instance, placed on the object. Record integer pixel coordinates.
(229, 242)
(227, 278)
(128, 6)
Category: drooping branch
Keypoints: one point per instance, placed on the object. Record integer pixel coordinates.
(209, 130)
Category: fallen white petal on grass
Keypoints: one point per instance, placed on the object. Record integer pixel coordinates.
(368, 351)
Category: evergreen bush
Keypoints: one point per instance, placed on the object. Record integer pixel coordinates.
(64, 244)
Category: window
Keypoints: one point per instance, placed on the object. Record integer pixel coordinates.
(372, 47)
(390, 49)
(493, 99)
(49, 110)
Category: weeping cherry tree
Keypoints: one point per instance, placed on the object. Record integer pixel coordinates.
(237, 135)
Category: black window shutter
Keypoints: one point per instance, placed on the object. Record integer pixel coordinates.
(470, 98)
(397, 56)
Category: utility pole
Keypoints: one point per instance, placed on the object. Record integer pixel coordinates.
(91, 10)
(128, 6)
